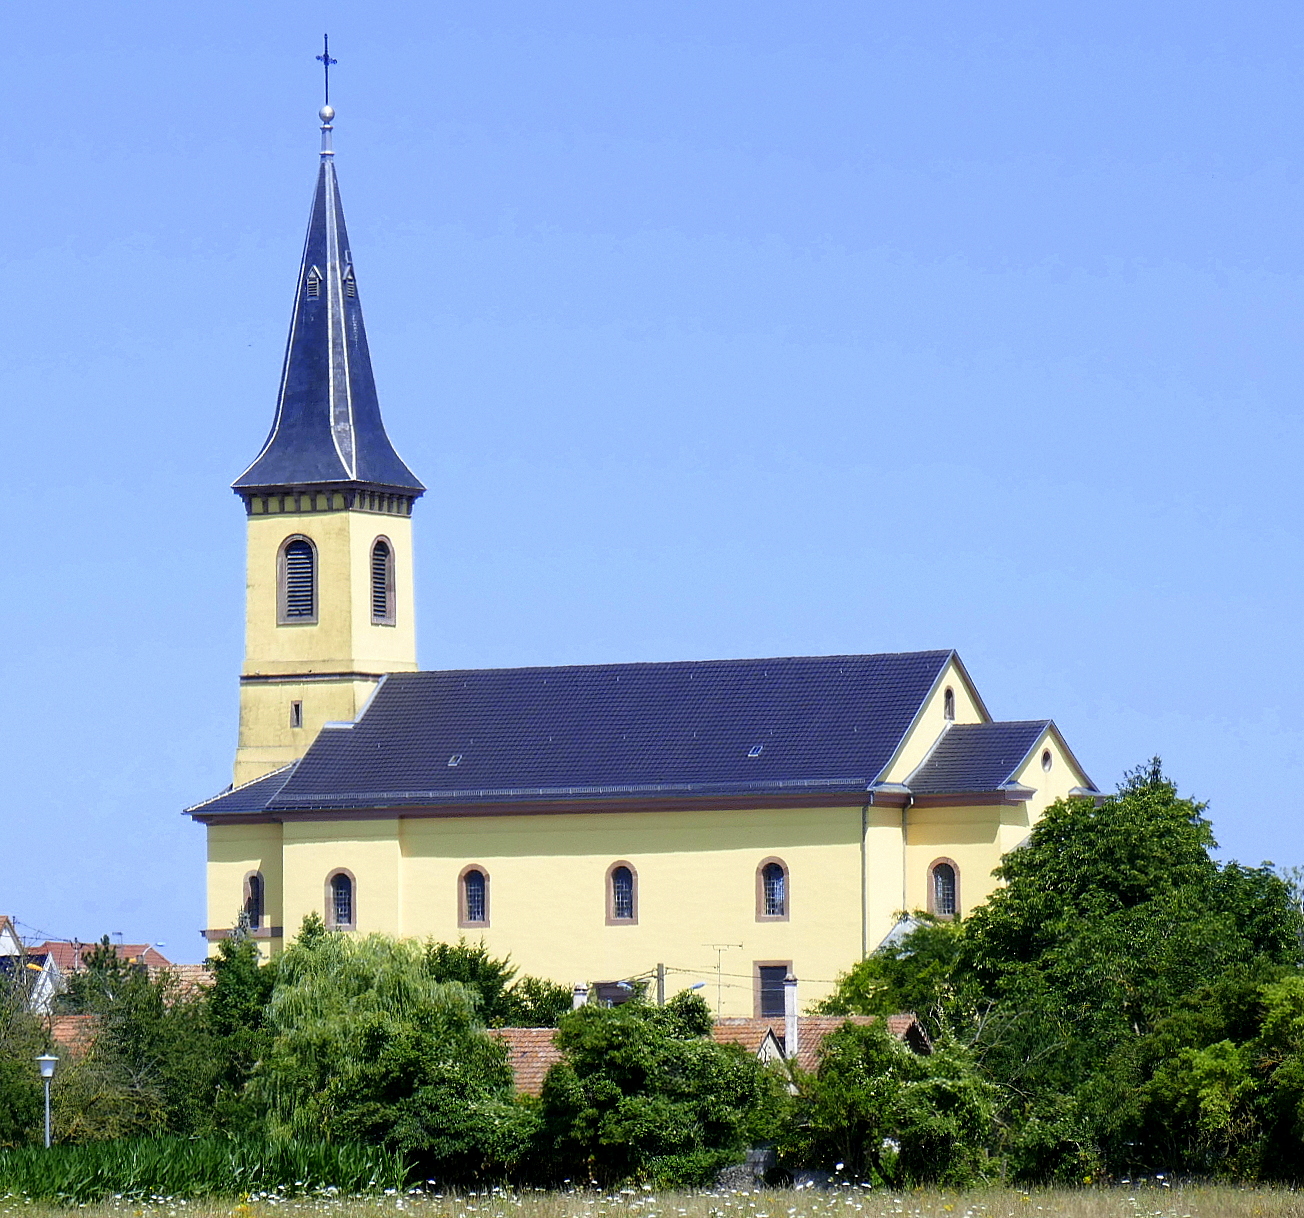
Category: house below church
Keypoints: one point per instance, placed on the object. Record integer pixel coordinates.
(731, 821)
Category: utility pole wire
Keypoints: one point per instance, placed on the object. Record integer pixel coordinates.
(720, 949)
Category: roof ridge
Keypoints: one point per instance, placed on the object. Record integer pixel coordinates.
(870, 655)
(1042, 723)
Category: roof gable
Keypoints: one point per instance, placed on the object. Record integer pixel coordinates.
(755, 1035)
(934, 717)
(70, 957)
(10, 943)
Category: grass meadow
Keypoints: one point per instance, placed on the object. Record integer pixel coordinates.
(1153, 1200)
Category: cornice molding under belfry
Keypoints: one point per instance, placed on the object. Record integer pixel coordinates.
(302, 678)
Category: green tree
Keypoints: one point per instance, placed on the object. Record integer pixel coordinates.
(1235, 1106)
(918, 973)
(1109, 918)
(237, 1004)
(151, 1064)
(366, 1046)
(878, 1112)
(21, 1039)
(643, 1093)
(1113, 988)
(505, 1001)
(534, 1002)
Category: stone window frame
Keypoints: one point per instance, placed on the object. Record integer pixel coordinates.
(932, 887)
(463, 921)
(330, 899)
(610, 894)
(761, 915)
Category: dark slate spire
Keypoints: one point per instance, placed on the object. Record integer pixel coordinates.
(328, 429)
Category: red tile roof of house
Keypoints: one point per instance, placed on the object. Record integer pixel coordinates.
(811, 1031)
(532, 1054)
(70, 957)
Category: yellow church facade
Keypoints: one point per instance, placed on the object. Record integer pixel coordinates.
(726, 821)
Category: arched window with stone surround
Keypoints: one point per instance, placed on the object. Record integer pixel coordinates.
(772, 891)
(944, 888)
(473, 897)
(253, 900)
(622, 895)
(341, 901)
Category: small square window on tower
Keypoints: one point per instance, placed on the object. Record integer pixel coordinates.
(296, 714)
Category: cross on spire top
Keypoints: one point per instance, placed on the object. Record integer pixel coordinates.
(326, 64)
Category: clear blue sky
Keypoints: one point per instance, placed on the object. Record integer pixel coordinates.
(726, 329)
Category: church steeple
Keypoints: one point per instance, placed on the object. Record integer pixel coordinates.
(329, 605)
(328, 431)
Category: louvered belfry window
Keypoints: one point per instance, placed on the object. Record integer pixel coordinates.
(382, 583)
(776, 890)
(298, 581)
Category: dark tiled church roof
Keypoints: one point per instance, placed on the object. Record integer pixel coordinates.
(814, 724)
(254, 796)
(977, 757)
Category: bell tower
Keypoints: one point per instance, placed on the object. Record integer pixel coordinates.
(329, 604)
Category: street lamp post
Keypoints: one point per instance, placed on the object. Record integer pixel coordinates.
(47, 1062)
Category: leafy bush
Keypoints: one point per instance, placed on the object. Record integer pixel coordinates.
(879, 1112)
(179, 1167)
(644, 1093)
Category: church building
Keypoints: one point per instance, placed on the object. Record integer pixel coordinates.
(730, 821)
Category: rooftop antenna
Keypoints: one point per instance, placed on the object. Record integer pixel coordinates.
(326, 113)
(719, 949)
